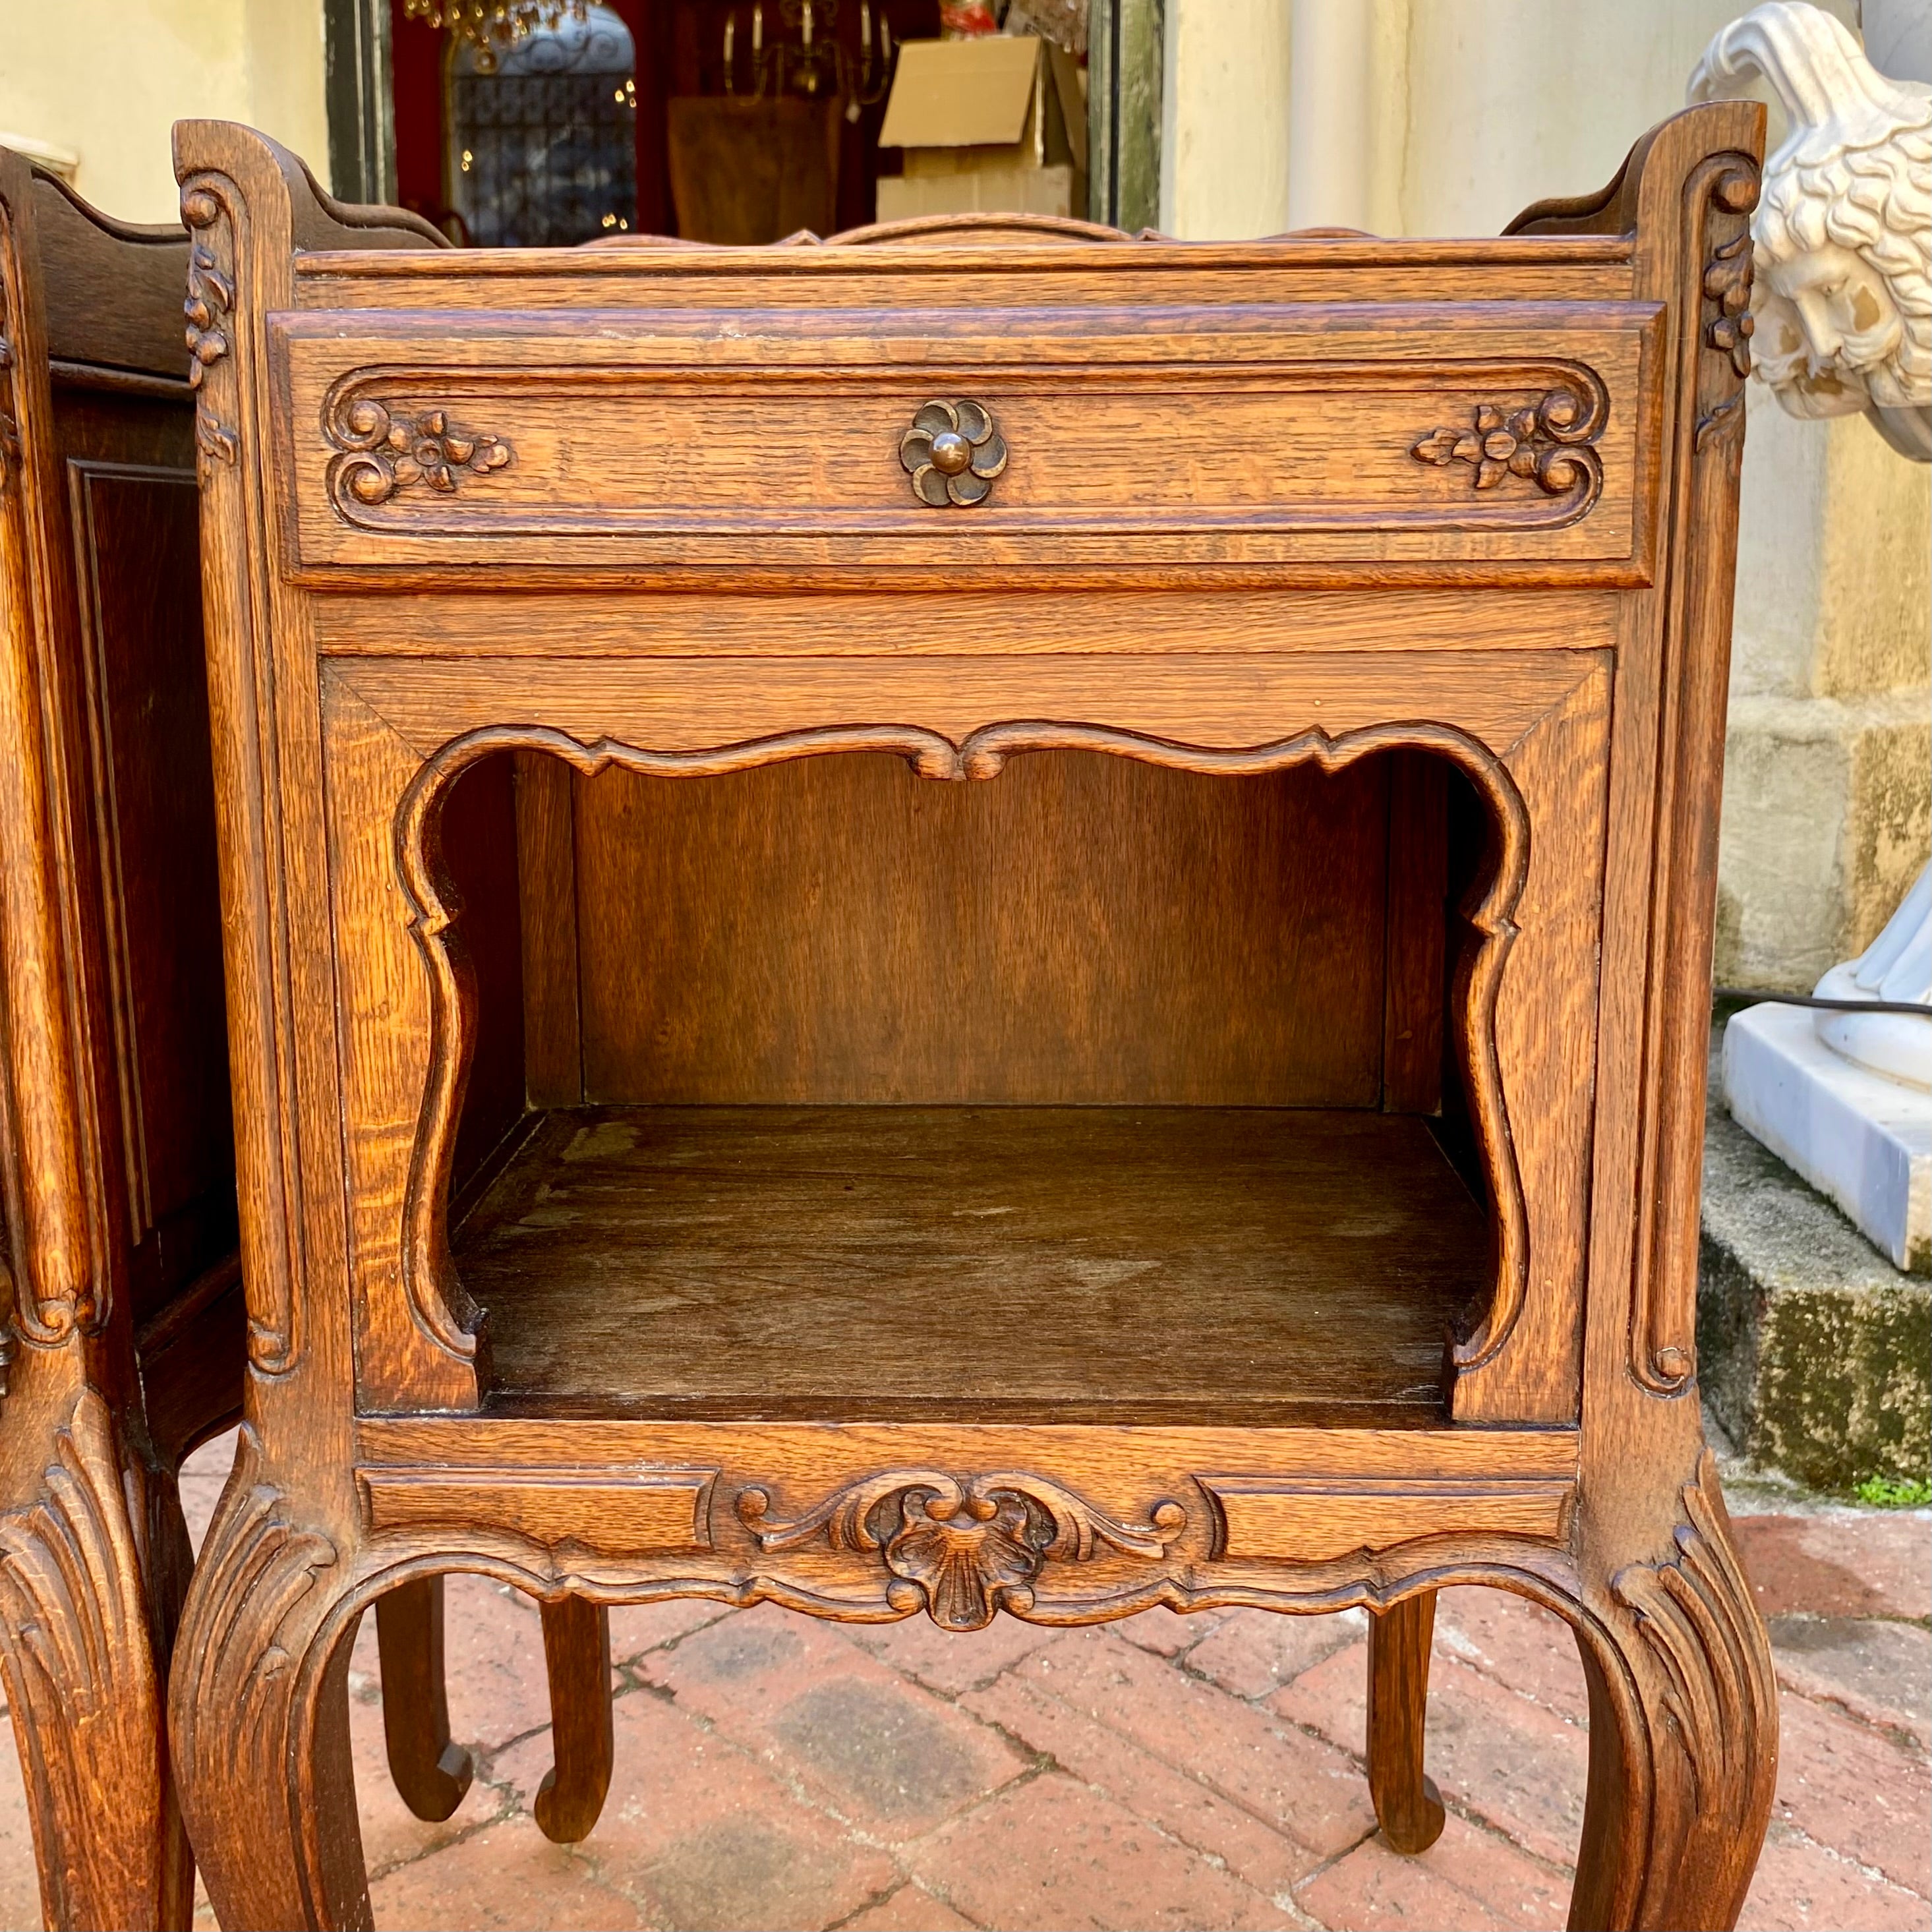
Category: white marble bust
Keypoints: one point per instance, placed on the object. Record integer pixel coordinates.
(1843, 231)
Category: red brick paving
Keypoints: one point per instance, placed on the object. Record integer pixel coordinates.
(1839, 1566)
(1168, 1772)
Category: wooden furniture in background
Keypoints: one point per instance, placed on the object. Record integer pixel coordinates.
(748, 170)
(1232, 1139)
(121, 1316)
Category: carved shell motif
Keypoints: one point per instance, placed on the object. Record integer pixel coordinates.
(962, 1548)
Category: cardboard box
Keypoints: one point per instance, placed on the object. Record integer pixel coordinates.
(994, 125)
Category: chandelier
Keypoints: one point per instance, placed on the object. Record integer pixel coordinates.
(803, 56)
(490, 25)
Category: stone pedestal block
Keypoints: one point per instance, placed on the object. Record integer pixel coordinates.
(1863, 1140)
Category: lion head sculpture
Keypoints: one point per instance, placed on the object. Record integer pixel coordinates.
(1843, 233)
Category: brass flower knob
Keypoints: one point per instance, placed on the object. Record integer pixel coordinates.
(952, 452)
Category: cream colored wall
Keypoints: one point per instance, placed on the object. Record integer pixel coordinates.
(1475, 109)
(1224, 125)
(108, 78)
(1510, 101)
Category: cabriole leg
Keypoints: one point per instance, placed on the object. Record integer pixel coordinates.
(1683, 1732)
(577, 1649)
(88, 1568)
(258, 1715)
(1408, 1807)
(430, 1772)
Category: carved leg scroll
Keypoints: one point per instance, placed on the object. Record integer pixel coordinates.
(78, 1641)
(430, 1772)
(1408, 1807)
(1683, 1733)
(258, 1716)
(576, 1648)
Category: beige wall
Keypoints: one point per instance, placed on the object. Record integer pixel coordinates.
(1828, 781)
(1224, 126)
(107, 79)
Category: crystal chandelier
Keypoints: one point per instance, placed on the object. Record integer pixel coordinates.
(490, 25)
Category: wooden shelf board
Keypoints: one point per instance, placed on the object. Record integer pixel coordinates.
(1047, 1264)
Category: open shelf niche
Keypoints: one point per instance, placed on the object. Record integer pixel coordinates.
(1100, 1091)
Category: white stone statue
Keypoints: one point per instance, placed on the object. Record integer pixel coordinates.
(1842, 300)
(1843, 304)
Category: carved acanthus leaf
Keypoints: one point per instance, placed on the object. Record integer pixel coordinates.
(207, 308)
(223, 445)
(210, 299)
(7, 1294)
(962, 1548)
(256, 1571)
(1547, 442)
(69, 1568)
(73, 1626)
(1727, 282)
(384, 451)
(1695, 1613)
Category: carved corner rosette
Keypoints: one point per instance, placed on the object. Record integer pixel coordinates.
(1549, 442)
(962, 1548)
(384, 449)
(208, 313)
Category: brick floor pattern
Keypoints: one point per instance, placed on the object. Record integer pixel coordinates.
(1205, 1771)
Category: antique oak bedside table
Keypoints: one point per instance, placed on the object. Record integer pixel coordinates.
(1084, 983)
(122, 1331)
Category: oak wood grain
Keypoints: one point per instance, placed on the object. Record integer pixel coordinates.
(432, 1773)
(1270, 436)
(577, 1652)
(1315, 1521)
(1408, 1807)
(957, 621)
(839, 929)
(764, 1262)
(1416, 936)
(547, 907)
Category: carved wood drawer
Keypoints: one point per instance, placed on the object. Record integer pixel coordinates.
(1483, 434)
